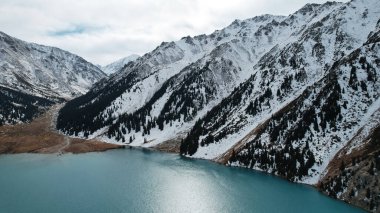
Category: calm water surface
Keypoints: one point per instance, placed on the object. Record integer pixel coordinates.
(145, 181)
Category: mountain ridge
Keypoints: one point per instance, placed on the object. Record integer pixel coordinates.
(45, 71)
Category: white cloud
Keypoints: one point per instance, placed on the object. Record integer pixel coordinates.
(104, 31)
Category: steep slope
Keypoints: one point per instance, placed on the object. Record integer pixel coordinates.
(44, 71)
(119, 64)
(282, 75)
(298, 141)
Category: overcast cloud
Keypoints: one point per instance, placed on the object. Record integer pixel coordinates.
(104, 31)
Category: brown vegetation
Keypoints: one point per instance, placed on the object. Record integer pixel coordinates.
(40, 136)
(358, 170)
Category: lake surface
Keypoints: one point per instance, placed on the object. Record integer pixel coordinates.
(146, 181)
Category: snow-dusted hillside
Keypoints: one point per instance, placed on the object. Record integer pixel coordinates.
(119, 64)
(44, 71)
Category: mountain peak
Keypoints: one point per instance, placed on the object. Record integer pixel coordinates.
(119, 64)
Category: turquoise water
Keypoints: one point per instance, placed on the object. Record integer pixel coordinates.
(145, 181)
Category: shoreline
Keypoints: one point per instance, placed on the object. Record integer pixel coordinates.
(219, 162)
(41, 137)
(89, 146)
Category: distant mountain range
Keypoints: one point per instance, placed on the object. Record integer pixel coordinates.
(44, 71)
(35, 76)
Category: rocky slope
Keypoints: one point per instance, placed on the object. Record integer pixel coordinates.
(119, 64)
(277, 94)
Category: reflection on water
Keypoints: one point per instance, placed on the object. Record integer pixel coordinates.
(145, 181)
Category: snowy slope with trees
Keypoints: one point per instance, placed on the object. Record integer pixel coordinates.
(282, 75)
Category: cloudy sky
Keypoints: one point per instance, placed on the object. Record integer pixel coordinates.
(104, 31)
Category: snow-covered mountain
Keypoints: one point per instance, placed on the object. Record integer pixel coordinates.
(222, 60)
(44, 71)
(286, 71)
(119, 64)
(273, 93)
(283, 75)
(33, 77)
(131, 88)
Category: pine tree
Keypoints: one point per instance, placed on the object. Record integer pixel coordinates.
(342, 166)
